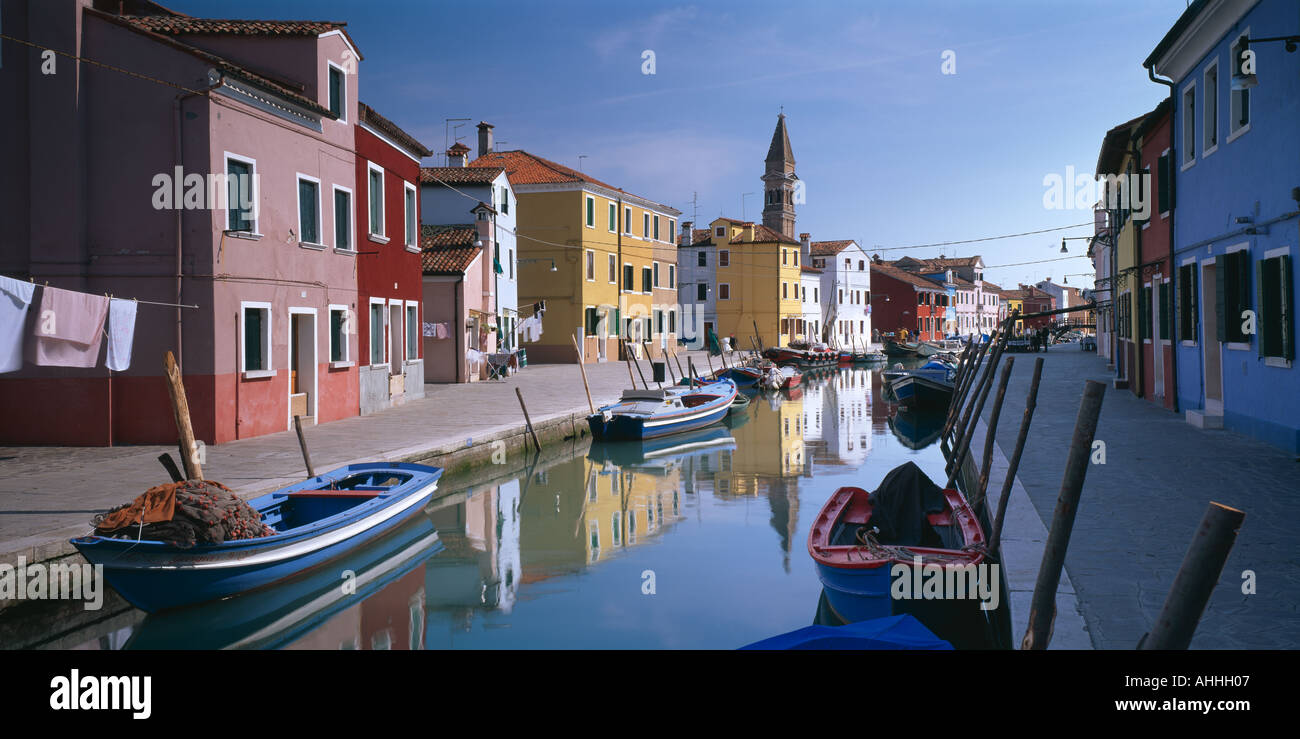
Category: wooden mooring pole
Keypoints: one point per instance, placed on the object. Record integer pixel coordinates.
(1042, 609)
(1196, 579)
(627, 359)
(181, 411)
(985, 461)
(583, 369)
(302, 444)
(528, 421)
(1013, 464)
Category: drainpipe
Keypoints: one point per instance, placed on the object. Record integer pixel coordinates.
(460, 333)
(1173, 269)
(215, 80)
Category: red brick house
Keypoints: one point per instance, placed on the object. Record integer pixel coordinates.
(905, 300)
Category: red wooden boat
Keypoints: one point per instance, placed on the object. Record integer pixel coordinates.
(855, 557)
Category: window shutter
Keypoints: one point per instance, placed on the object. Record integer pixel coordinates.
(1243, 291)
(1286, 308)
(1166, 306)
(1262, 344)
(1221, 295)
(1162, 174)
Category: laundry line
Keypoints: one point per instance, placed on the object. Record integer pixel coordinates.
(115, 297)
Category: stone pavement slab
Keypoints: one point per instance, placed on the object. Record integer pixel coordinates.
(1139, 511)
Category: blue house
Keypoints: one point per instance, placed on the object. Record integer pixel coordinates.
(1236, 160)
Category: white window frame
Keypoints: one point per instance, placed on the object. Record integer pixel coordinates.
(381, 235)
(384, 327)
(411, 356)
(589, 265)
(654, 275)
(1233, 129)
(343, 106)
(225, 222)
(672, 277)
(313, 410)
(722, 285)
(320, 216)
(411, 216)
(351, 248)
(721, 253)
(645, 226)
(589, 206)
(269, 370)
(1207, 115)
(1188, 161)
(346, 361)
(627, 220)
(613, 214)
(613, 268)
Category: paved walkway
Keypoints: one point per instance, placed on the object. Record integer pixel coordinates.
(1139, 510)
(48, 494)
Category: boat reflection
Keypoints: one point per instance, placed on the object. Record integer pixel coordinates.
(347, 604)
(917, 429)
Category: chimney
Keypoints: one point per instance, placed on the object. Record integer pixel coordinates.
(484, 138)
(747, 232)
(687, 232)
(805, 240)
(457, 155)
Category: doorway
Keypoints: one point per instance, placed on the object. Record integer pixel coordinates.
(1212, 355)
(302, 364)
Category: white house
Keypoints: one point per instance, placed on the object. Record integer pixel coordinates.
(810, 293)
(447, 196)
(845, 287)
(697, 273)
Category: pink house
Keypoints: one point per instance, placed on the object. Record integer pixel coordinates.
(459, 301)
(207, 178)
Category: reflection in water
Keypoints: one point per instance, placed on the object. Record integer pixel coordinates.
(691, 541)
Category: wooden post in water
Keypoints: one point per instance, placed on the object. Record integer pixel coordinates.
(989, 433)
(302, 444)
(973, 411)
(627, 359)
(690, 365)
(639, 373)
(678, 362)
(528, 421)
(712, 372)
(1196, 579)
(650, 362)
(1013, 464)
(583, 369)
(181, 411)
(960, 393)
(1042, 609)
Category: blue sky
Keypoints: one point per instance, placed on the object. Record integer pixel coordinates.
(892, 151)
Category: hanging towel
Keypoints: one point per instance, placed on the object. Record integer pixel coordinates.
(69, 329)
(121, 334)
(15, 299)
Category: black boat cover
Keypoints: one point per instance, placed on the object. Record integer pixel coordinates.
(900, 504)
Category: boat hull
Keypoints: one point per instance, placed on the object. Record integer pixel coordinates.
(742, 376)
(155, 576)
(920, 392)
(607, 426)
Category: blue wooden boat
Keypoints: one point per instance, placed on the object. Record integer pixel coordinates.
(937, 369)
(646, 414)
(316, 521)
(858, 537)
(273, 617)
(917, 429)
(890, 632)
(742, 375)
(922, 392)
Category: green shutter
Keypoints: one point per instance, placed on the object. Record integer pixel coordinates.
(1220, 296)
(1243, 291)
(1162, 184)
(1286, 312)
(1263, 344)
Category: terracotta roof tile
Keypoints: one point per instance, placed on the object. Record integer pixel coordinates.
(459, 175)
(764, 235)
(524, 168)
(903, 275)
(448, 249)
(827, 248)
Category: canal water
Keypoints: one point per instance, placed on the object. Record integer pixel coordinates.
(695, 541)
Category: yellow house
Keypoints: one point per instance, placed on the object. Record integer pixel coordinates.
(757, 282)
(603, 260)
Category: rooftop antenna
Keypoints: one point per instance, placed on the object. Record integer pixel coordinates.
(695, 207)
(744, 195)
(580, 158)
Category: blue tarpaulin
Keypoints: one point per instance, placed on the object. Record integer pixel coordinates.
(892, 632)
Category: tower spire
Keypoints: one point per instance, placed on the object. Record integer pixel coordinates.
(779, 182)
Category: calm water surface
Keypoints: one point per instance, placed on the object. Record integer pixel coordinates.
(696, 541)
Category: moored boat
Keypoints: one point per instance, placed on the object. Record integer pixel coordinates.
(921, 391)
(645, 414)
(315, 521)
(858, 538)
(899, 349)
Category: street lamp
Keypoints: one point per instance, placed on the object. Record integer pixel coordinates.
(539, 259)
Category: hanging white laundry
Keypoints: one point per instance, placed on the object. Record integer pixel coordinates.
(121, 333)
(69, 329)
(15, 299)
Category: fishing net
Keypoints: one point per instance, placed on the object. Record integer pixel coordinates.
(184, 514)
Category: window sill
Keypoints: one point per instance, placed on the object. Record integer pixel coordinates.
(1187, 342)
(1209, 151)
(248, 235)
(312, 245)
(379, 238)
(413, 249)
(257, 374)
(1277, 362)
(1233, 136)
(1240, 346)
(382, 366)
(342, 365)
(349, 252)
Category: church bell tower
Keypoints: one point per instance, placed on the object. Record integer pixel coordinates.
(779, 182)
